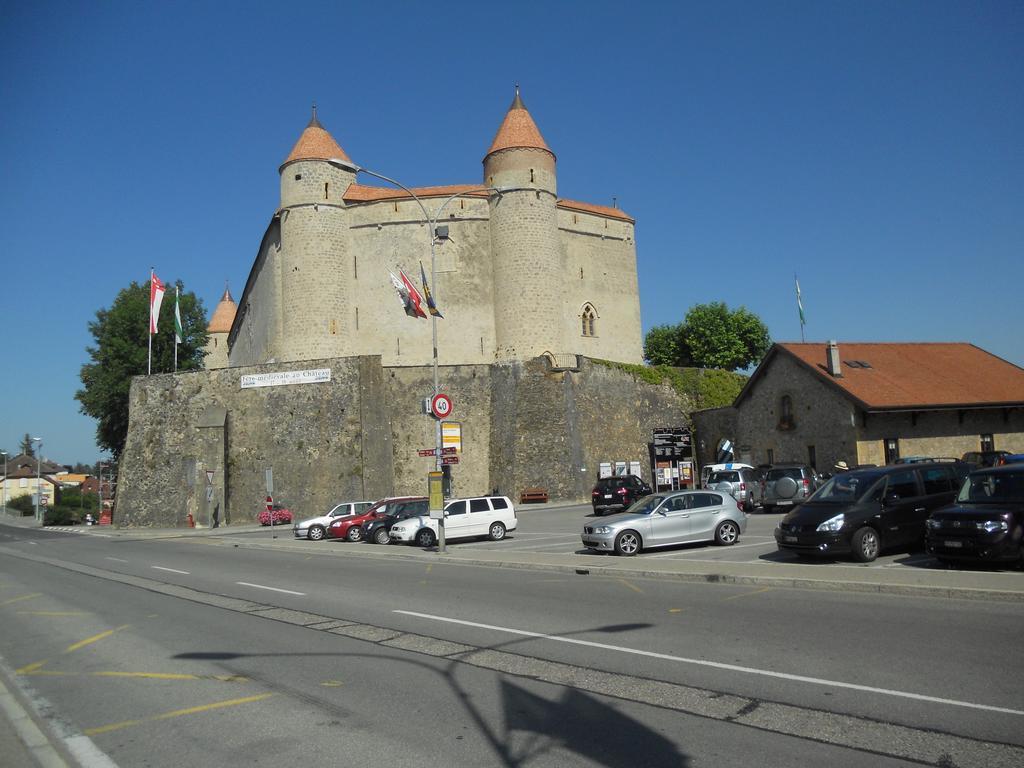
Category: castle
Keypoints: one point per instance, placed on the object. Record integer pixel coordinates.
(517, 273)
(316, 377)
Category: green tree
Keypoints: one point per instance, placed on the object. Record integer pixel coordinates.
(26, 445)
(120, 352)
(711, 336)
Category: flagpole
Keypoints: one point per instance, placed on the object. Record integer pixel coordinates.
(149, 325)
(176, 299)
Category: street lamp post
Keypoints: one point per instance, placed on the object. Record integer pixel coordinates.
(5, 482)
(39, 473)
(345, 165)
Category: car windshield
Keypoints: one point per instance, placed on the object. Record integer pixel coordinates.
(847, 487)
(724, 477)
(646, 505)
(993, 488)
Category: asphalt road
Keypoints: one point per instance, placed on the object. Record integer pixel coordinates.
(245, 649)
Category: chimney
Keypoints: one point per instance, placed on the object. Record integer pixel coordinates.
(832, 362)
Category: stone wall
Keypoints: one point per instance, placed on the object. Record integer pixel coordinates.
(358, 435)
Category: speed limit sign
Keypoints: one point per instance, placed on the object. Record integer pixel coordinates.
(441, 405)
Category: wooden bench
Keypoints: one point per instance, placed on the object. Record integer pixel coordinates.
(533, 495)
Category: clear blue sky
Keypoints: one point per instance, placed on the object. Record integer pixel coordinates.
(876, 149)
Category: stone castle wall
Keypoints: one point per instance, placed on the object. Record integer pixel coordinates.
(358, 435)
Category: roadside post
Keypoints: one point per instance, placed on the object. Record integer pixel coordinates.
(270, 500)
(435, 485)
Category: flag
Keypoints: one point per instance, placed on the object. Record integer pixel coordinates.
(415, 306)
(156, 298)
(799, 303)
(177, 316)
(403, 294)
(426, 292)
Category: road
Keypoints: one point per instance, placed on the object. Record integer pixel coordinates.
(246, 649)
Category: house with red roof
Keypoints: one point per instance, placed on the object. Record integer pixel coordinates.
(869, 403)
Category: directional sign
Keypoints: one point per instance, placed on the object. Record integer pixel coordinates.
(449, 459)
(441, 405)
(449, 451)
(427, 452)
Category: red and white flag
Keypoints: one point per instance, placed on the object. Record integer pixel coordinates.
(156, 298)
(415, 306)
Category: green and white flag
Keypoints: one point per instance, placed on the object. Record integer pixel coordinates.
(177, 314)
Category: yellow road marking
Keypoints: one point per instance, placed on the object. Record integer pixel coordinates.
(430, 568)
(93, 639)
(23, 597)
(30, 668)
(176, 713)
(748, 594)
(675, 610)
(51, 613)
(631, 586)
(151, 675)
(331, 683)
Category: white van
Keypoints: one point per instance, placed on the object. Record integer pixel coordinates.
(705, 472)
(490, 516)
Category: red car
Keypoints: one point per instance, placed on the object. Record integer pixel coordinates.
(351, 528)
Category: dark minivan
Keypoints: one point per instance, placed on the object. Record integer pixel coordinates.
(987, 520)
(618, 492)
(867, 510)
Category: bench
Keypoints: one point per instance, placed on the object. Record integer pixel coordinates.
(533, 495)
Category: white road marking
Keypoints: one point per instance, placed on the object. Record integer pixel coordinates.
(272, 589)
(720, 665)
(170, 570)
(116, 559)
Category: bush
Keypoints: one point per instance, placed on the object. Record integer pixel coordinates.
(23, 504)
(62, 516)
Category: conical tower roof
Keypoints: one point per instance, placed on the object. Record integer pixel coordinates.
(518, 130)
(224, 314)
(315, 143)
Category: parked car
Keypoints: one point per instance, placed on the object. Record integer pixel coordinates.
(707, 469)
(351, 528)
(1010, 458)
(614, 493)
(278, 515)
(743, 484)
(378, 530)
(987, 520)
(867, 510)
(786, 485)
(982, 459)
(490, 516)
(668, 519)
(315, 528)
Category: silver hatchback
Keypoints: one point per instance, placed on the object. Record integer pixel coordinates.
(743, 484)
(667, 519)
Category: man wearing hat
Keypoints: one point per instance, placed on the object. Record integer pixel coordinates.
(841, 466)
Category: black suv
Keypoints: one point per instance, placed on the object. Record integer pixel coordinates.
(867, 510)
(982, 459)
(616, 493)
(378, 530)
(987, 520)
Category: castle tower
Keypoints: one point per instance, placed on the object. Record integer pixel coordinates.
(219, 327)
(529, 315)
(314, 247)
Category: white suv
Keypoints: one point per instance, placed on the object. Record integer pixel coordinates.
(315, 528)
(490, 516)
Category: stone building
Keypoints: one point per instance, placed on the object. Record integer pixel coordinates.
(318, 374)
(818, 403)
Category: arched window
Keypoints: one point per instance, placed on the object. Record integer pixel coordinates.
(589, 318)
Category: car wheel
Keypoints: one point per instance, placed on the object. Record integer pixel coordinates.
(425, 538)
(381, 536)
(866, 544)
(497, 532)
(627, 543)
(726, 533)
(355, 533)
(316, 533)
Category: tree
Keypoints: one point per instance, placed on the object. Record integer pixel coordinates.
(120, 352)
(26, 445)
(711, 336)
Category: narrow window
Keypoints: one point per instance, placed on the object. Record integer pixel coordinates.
(987, 443)
(771, 456)
(298, 177)
(462, 204)
(326, 187)
(396, 206)
(334, 327)
(575, 219)
(531, 175)
(589, 321)
(581, 273)
(357, 318)
(355, 266)
(812, 457)
(892, 449)
(786, 413)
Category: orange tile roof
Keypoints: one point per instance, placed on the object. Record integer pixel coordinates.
(315, 143)
(224, 314)
(518, 130)
(361, 193)
(601, 210)
(916, 375)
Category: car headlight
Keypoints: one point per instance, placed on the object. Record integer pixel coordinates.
(991, 526)
(833, 523)
(933, 524)
(397, 529)
(603, 529)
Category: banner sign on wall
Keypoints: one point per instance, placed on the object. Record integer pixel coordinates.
(314, 376)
